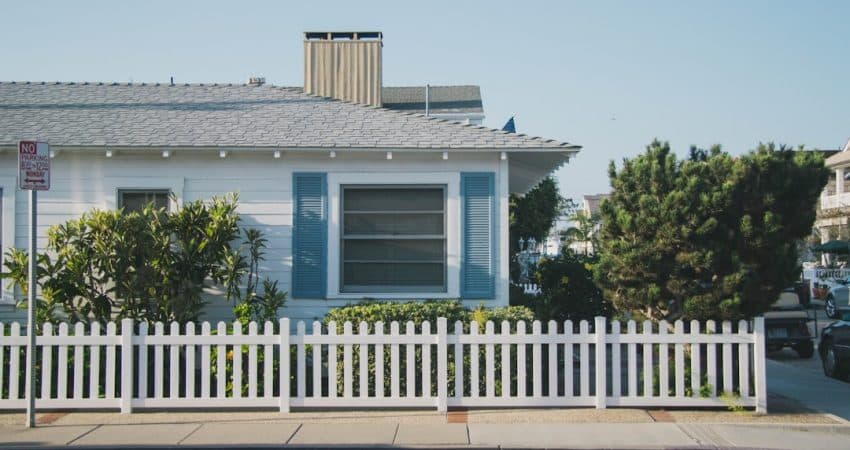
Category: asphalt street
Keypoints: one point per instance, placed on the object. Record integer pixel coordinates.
(802, 380)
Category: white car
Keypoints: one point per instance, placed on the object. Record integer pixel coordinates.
(837, 298)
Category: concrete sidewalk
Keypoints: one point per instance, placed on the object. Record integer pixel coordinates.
(575, 428)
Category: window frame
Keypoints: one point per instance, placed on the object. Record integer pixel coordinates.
(444, 237)
(154, 191)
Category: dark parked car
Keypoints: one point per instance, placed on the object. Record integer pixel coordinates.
(787, 325)
(835, 348)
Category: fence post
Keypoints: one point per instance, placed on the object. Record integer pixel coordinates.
(127, 373)
(600, 331)
(284, 364)
(759, 349)
(442, 365)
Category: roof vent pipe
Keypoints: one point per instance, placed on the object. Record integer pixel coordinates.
(427, 100)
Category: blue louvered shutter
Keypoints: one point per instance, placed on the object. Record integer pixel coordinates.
(478, 262)
(309, 235)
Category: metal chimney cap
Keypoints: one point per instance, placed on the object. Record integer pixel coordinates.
(343, 35)
(257, 81)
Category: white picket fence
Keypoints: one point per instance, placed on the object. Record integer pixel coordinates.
(561, 367)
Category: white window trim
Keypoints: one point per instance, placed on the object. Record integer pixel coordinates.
(9, 185)
(452, 182)
(112, 185)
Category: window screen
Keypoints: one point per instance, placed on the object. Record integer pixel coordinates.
(135, 200)
(393, 239)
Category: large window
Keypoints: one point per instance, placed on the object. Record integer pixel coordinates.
(393, 239)
(136, 199)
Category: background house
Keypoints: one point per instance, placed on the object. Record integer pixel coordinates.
(356, 200)
(833, 210)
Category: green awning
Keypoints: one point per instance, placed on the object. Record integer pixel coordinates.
(834, 246)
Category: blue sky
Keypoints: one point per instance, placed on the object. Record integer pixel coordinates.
(610, 76)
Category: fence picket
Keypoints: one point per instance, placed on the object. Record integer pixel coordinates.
(647, 360)
(584, 361)
(61, 365)
(536, 362)
(159, 362)
(143, 360)
(332, 358)
(221, 362)
(489, 361)
(696, 371)
(663, 360)
(206, 376)
(301, 360)
(679, 360)
(474, 374)
(94, 363)
(631, 327)
(110, 361)
(46, 362)
(616, 361)
(410, 365)
(174, 364)
(347, 376)
(79, 359)
(459, 375)
(236, 350)
(569, 363)
(252, 362)
(505, 368)
(521, 366)
(190, 363)
(394, 361)
(317, 361)
(711, 359)
(552, 330)
(363, 354)
(268, 362)
(379, 360)
(727, 359)
(743, 361)
(426, 361)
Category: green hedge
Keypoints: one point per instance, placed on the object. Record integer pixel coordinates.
(372, 311)
(418, 312)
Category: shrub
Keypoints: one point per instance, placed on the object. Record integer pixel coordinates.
(150, 265)
(418, 312)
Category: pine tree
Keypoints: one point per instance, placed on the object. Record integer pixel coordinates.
(709, 237)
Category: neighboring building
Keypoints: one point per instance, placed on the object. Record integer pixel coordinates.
(356, 200)
(457, 103)
(833, 209)
(589, 206)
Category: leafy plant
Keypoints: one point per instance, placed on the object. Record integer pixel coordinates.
(149, 265)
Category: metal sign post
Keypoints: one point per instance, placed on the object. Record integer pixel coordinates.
(34, 176)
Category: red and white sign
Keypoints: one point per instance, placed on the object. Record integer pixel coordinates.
(33, 165)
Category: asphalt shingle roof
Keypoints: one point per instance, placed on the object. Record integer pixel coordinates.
(218, 115)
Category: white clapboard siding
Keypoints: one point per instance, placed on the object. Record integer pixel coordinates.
(173, 366)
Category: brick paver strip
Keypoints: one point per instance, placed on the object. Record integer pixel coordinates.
(659, 415)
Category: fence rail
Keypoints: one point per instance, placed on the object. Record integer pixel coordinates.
(596, 364)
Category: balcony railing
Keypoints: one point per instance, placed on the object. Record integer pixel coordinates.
(835, 201)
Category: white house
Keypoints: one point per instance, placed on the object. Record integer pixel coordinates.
(356, 200)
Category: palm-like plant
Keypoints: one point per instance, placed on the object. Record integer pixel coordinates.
(583, 230)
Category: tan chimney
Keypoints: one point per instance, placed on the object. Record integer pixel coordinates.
(344, 65)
